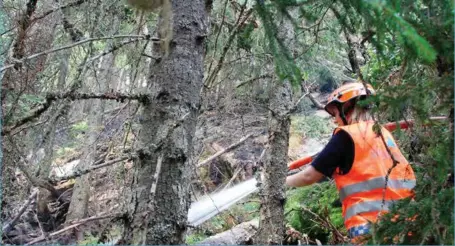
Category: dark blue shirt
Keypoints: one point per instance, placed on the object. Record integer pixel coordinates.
(339, 152)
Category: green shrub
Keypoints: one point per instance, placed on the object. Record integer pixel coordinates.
(195, 238)
(305, 205)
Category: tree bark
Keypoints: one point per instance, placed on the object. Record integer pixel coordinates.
(159, 201)
(272, 190)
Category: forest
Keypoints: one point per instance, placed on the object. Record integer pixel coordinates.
(175, 121)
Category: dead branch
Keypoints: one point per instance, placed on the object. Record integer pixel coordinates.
(24, 24)
(10, 225)
(114, 48)
(263, 76)
(296, 104)
(315, 102)
(47, 52)
(79, 173)
(69, 5)
(35, 113)
(71, 95)
(104, 96)
(223, 20)
(326, 223)
(234, 176)
(227, 46)
(231, 147)
(22, 128)
(73, 225)
(35, 181)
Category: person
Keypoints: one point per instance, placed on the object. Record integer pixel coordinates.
(357, 159)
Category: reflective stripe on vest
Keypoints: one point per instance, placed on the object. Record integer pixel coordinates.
(369, 206)
(375, 183)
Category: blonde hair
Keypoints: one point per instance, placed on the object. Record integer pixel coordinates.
(359, 113)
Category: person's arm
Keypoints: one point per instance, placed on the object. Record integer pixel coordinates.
(338, 153)
(306, 177)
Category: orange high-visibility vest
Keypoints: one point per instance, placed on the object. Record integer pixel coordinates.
(361, 190)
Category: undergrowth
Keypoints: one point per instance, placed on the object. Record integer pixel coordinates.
(307, 207)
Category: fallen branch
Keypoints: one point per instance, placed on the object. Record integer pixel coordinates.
(79, 173)
(10, 225)
(296, 104)
(241, 234)
(73, 225)
(316, 103)
(231, 147)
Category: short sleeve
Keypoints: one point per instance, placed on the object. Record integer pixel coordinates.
(339, 152)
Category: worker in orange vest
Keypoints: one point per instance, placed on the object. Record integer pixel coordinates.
(359, 162)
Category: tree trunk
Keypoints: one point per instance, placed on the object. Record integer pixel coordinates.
(44, 167)
(159, 194)
(81, 192)
(272, 191)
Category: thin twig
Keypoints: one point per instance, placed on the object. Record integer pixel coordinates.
(220, 29)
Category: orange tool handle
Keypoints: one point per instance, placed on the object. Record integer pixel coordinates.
(405, 124)
(391, 126)
(300, 162)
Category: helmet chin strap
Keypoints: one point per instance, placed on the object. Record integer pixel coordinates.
(342, 115)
